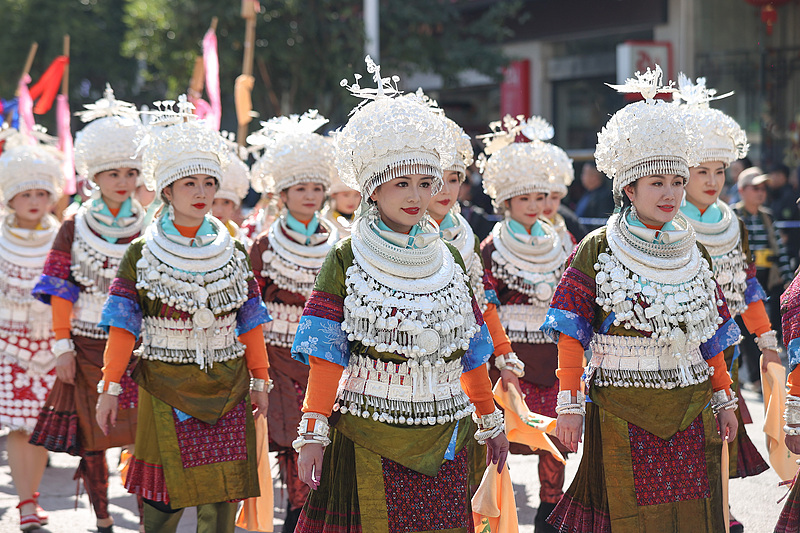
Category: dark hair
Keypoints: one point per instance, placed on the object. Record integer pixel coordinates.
(746, 162)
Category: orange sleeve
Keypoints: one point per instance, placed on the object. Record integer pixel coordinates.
(117, 355)
(323, 381)
(756, 319)
(62, 317)
(255, 353)
(500, 340)
(721, 380)
(570, 363)
(478, 386)
(793, 381)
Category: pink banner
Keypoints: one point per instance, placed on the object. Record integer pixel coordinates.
(65, 142)
(26, 121)
(211, 66)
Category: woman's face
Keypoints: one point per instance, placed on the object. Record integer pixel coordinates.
(551, 204)
(402, 201)
(656, 198)
(444, 200)
(526, 208)
(347, 201)
(705, 183)
(303, 200)
(191, 198)
(223, 209)
(116, 185)
(30, 207)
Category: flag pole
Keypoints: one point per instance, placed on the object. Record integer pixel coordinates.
(249, 15)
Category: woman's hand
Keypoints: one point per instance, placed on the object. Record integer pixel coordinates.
(569, 430)
(497, 451)
(260, 401)
(309, 464)
(793, 443)
(728, 424)
(106, 412)
(509, 378)
(65, 367)
(767, 357)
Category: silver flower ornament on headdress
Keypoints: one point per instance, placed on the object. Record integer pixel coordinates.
(387, 137)
(110, 138)
(292, 153)
(179, 145)
(720, 136)
(646, 137)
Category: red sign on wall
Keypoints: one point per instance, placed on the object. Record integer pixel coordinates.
(515, 89)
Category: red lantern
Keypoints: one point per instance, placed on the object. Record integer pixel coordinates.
(769, 15)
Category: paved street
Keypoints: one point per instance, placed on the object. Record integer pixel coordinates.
(753, 500)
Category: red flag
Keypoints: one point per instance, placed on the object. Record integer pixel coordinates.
(48, 85)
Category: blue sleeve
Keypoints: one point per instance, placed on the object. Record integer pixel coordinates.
(253, 313)
(322, 338)
(479, 351)
(559, 321)
(48, 286)
(726, 335)
(793, 352)
(491, 297)
(754, 292)
(121, 312)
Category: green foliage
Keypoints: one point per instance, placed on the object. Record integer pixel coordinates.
(146, 48)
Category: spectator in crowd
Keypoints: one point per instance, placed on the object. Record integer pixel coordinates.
(731, 194)
(597, 201)
(783, 198)
(770, 256)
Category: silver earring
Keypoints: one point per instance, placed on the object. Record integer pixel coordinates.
(171, 212)
(634, 214)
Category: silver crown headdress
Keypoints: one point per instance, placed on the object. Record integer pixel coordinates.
(110, 138)
(26, 165)
(646, 137)
(292, 153)
(235, 182)
(387, 137)
(179, 145)
(462, 152)
(516, 168)
(720, 136)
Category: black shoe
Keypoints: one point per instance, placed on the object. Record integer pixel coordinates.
(735, 526)
(105, 529)
(291, 521)
(539, 524)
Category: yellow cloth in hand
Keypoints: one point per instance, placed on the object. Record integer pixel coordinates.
(524, 426)
(256, 514)
(493, 506)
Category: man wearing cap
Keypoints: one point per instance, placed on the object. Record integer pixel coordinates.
(769, 252)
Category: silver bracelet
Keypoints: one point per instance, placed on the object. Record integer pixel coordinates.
(62, 346)
(791, 411)
(114, 389)
(791, 431)
(489, 426)
(510, 362)
(720, 401)
(318, 434)
(768, 341)
(261, 385)
(565, 405)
